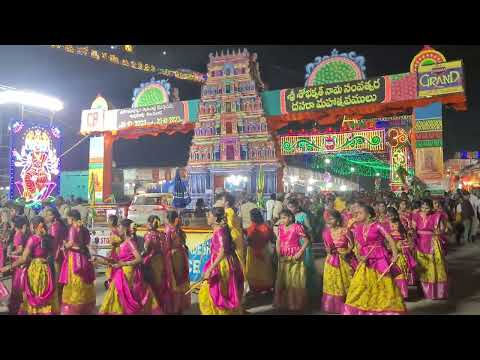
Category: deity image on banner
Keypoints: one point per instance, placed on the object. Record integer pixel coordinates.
(37, 163)
(429, 163)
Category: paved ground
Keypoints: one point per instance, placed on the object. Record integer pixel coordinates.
(464, 272)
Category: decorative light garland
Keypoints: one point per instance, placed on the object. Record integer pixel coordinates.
(364, 164)
(105, 56)
(182, 74)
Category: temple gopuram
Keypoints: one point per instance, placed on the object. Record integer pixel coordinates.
(231, 144)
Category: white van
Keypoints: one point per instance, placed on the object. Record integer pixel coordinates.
(144, 205)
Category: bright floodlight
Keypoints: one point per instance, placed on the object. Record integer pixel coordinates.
(309, 189)
(352, 169)
(30, 99)
(327, 161)
(343, 188)
(377, 174)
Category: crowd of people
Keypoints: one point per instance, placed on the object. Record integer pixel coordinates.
(52, 269)
(376, 248)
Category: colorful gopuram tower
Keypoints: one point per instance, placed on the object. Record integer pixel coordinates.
(231, 142)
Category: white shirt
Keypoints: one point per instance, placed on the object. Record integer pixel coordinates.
(270, 204)
(475, 201)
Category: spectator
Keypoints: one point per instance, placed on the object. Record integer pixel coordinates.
(63, 207)
(274, 206)
(475, 202)
(200, 208)
(467, 214)
(247, 206)
(79, 206)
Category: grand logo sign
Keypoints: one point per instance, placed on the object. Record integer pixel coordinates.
(440, 79)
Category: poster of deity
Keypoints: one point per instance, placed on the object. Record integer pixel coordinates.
(429, 167)
(34, 163)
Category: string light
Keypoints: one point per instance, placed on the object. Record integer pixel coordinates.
(106, 56)
(98, 55)
(364, 164)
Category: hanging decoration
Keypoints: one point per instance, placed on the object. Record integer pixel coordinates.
(337, 67)
(183, 74)
(371, 140)
(106, 56)
(362, 163)
(100, 55)
(154, 92)
(398, 140)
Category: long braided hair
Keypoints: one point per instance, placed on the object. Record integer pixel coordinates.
(220, 219)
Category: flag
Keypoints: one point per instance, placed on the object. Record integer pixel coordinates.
(91, 192)
(260, 187)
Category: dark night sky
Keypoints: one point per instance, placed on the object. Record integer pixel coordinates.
(77, 80)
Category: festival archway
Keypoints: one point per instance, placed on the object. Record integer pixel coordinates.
(419, 95)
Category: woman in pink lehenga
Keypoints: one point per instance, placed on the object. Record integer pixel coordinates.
(427, 228)
(19, 239)
(177, 257)
(128, 294)
(58, 231)
(77, 274)
(222, 288)
(5, 233)
(338, 269)
(37, 281)
(155, 265)
(406, 250)
(291, 285)
(372, 290)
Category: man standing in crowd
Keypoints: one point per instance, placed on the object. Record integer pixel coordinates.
(475, 202)
(245, 208)
(274, 206)
(81, 209)
(467, 213)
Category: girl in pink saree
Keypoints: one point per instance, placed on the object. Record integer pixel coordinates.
(222, 289)
(427, 228)
(155, 264)
(290, 285)
(37, 280)
(406, 258)
(128, 294)
(179, 281)
(338, 269)
(19, 240)
(372, 289)
(77, 274)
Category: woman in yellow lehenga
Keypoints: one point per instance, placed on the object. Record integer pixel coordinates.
(235, 226)
(339, 264)
(77, 274)
(128, 294)
(372, 290)
(222, 289)
(38, 282)
(431, 265)
(177, 260)
(291, 284)
(114, 243)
